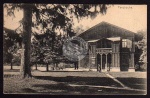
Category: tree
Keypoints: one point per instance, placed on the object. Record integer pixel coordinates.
(46, 50)
(10, 46)
(42, 49)
(79, 29)
(60, 16)
(142, 45)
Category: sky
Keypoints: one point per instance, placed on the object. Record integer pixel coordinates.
(12, 22)
(130, 17)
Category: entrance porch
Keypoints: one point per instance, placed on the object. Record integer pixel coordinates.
(103, 62)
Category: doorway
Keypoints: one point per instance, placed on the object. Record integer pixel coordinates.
(98, 62)
(103, 62)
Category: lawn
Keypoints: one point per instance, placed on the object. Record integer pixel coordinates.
(137, 80)
(73, 83)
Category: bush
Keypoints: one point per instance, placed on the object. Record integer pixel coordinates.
(141, 67)
(16, 60)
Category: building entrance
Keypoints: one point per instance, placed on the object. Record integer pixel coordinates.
(103, 62)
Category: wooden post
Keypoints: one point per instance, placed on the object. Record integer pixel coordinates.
(106, 63)
(79, 61)
(47, 67)
(112, 60)
(101, 61)
(11, 64)
(131, 66)
(35, 66)
(119, 60)
(113, 53)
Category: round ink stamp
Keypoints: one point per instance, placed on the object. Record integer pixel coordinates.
(75, 48)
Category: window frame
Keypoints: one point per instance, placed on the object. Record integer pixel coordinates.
(124, 43)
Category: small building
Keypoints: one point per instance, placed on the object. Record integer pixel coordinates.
(111, 48)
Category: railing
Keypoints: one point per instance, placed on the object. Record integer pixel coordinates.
(103, 50)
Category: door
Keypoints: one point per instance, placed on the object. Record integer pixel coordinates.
(124, 65)
(98, 62)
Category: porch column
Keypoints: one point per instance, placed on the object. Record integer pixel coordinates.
(115, 65)
(119, 60)
(112, 60)
(106, 63)
(101, 61)
(89, 60)
(113, 56)
(116, 60)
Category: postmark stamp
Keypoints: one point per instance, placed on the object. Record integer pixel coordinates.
(75, 48)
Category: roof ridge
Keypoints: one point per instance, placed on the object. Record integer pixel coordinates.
(118, 27)
(104, 22)
(92, 27)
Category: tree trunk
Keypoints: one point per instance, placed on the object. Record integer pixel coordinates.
(47, 67)
(26, 45)
(35, 66)
(11, 65)
(139, 67)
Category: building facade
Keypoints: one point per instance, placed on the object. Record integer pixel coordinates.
(111, 48)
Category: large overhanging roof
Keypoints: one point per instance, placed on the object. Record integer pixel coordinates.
(93, 40)
(114, 39)
(111, 39)
(106, 30)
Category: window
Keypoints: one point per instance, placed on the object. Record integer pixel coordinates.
(124, 43)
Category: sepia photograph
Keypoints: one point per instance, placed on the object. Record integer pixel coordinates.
(75, 49)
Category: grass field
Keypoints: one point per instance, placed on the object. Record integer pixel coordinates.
(74, 83)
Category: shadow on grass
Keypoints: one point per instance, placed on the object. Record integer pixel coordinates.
(28, 90)
(99, 81)
(65, 89)
(63, 71)
(136, 83)
(11, 70)
(62, 87)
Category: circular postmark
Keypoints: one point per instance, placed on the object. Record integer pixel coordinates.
(75, 48)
